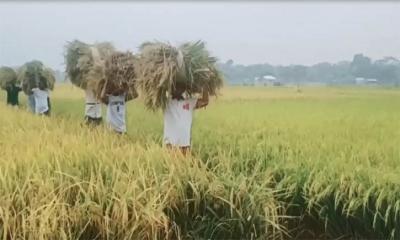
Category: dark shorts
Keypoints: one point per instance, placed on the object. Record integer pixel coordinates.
(93, 121)
(47, 113)
(13, 103)
(120, 133)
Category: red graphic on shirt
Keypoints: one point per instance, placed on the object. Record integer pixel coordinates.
(186, 106)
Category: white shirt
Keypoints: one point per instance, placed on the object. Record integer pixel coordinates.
(93, 106)
(116, 113)
(41, 103)
(31, 103)
(178, 116)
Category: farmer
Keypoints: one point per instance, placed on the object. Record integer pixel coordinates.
(31, 102)
(116, 119)
(12, 94)
(42, 100)
(92, 109)
(31, 97)
(178, 117)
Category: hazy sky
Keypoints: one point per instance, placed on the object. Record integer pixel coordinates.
(247, 32)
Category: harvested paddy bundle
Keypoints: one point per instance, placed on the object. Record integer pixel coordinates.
(35, 75)
(48, 73)
(158, 70)
(85, 62)
(7, 77)
(119, 75)
(200, 69)
(163, 67)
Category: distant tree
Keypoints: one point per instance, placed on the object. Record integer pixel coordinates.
(321, 72)
(361, 66)
(229, 62)
(397, 82)
(386, 70)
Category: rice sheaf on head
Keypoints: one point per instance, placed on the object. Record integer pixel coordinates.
(8, 77)
(163, 67)
(34, 74)
(119, 75)
(85, 62)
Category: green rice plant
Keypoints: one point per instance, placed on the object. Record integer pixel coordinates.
(318, 164)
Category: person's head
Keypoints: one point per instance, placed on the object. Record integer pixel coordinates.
(178, 91)
(42, 85)
(117, 91)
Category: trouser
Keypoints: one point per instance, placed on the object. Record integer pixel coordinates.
(47, 113)
(120, 133)
(185, 150)
(13, 103)
(93, 121)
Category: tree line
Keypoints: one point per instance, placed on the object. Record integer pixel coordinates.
(385, 71)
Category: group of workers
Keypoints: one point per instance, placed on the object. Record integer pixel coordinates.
(178, 114)
(38, 99)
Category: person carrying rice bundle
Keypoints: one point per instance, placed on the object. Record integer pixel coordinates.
(8, 82)
(178, 81)
(37, 81)
(85, 68)
(178, 118)
(117, 88)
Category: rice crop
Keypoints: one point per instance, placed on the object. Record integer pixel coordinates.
(267, 163)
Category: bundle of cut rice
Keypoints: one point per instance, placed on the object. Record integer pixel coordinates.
(119, 75)
(157, 70)
(48, 73)
(35, 75)
(85, 62)
(7, 77)
(163, 67)
(201, 70)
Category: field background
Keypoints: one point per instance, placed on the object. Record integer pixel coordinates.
(267, 163)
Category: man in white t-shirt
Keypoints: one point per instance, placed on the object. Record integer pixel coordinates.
(42, 101)
(93, 113)
(178, 117)
(116, 110)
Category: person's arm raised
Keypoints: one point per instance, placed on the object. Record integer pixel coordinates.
(131, 95)
(104, 99)
(203, 101)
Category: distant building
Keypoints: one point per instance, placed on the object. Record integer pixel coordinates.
(372, 81)
(366, 81)
(267, 80)
(360, 80)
